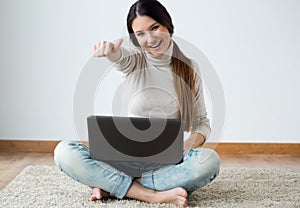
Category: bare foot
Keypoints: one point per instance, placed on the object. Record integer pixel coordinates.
(173, 196)
(98, 194)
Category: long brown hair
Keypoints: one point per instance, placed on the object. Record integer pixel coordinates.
(183, 71)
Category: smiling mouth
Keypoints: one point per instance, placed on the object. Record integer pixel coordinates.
(156, 45)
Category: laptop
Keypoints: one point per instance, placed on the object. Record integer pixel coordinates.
(135, 145)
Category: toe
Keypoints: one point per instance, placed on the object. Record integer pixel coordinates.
(92, 198)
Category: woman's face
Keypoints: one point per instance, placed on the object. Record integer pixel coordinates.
(152, 36)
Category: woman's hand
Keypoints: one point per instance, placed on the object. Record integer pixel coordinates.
(195, 140)
(108, 49)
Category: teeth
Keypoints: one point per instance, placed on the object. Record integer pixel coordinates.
(155, 45)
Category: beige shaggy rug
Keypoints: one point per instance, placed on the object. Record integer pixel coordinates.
(46, 186)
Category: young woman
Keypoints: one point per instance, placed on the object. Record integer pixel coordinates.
(157, 60)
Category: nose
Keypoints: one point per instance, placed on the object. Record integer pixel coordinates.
(151, 38)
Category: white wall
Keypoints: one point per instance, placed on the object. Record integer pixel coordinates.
(253, 45)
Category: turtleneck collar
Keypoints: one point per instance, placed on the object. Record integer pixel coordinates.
(164, 60)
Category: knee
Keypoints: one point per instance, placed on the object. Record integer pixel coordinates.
(61, 150)
(212, 159)
(205, 165)
(209, 160)
(215, 161)
(66, 152)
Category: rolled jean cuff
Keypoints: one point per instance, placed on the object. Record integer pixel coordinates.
(147, 180)
(121, 186)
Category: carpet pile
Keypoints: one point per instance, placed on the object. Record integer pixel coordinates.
(46, 186)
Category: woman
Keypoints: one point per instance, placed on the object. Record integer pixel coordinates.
(150, 28)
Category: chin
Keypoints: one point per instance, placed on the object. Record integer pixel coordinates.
(157, 55)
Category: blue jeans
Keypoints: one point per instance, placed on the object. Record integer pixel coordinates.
(199, 167)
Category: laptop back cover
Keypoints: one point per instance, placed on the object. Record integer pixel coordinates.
(154, 141)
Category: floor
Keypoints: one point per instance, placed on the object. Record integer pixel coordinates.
(11, 164)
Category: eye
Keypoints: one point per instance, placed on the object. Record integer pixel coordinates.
(155, 27)
(140, 34)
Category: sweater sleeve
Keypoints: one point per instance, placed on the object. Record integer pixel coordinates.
(201, 123)
(130, 60)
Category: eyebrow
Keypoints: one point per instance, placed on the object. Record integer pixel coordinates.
(148, 27)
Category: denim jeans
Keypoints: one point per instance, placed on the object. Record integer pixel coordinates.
(199, 167)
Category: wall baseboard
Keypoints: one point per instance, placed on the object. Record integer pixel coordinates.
(221, 148)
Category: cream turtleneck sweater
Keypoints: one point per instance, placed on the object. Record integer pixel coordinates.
(148, 88)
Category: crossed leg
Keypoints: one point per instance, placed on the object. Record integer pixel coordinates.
(137, 191)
